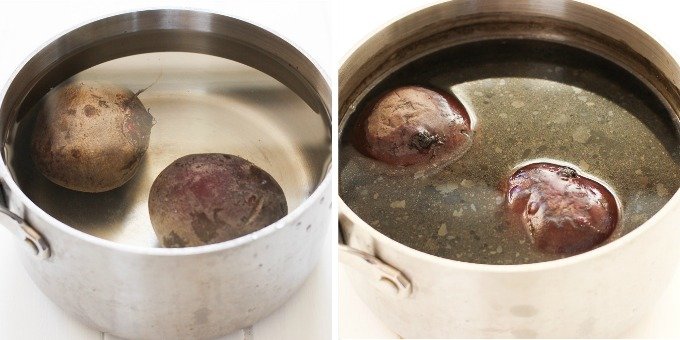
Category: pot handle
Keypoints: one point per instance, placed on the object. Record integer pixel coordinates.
(18, 226)
(387, 277)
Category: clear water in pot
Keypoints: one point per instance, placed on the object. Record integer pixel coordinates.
(201, 104)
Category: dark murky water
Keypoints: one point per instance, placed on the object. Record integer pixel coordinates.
(532, 100)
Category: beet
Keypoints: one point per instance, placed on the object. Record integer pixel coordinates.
(562, 211)
(414, 125)
(209, 198)
(90, 136)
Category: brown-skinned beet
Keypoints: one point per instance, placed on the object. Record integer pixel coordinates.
(561, 211)
(90, 136)
(209, 198)
(414, 125)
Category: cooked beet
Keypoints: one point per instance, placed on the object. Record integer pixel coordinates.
(414, 125)
(209, 198)
(90, 136)
(562, 211)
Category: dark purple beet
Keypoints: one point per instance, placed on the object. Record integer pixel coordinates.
(561, 211)
(414, 125)
(210, 198)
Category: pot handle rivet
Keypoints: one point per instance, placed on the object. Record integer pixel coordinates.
(17, 226)
(35, 242)
(387, 277)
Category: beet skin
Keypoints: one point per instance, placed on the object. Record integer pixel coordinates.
(415, 125)
(209, 198)
(561, 211)
(90, 136)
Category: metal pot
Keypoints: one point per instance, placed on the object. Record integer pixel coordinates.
(595, 294)
(99, 269)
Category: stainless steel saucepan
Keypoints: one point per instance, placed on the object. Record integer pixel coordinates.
(220, 84)
(599, 293)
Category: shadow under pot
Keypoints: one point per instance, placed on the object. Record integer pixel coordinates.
(225, 93)
(569, 174)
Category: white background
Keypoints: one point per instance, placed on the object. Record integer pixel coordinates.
(356, 20)
(24, 27)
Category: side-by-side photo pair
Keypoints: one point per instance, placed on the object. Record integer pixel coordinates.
(326, 169)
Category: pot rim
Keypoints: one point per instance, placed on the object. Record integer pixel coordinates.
(355, 220)
(16, 192)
